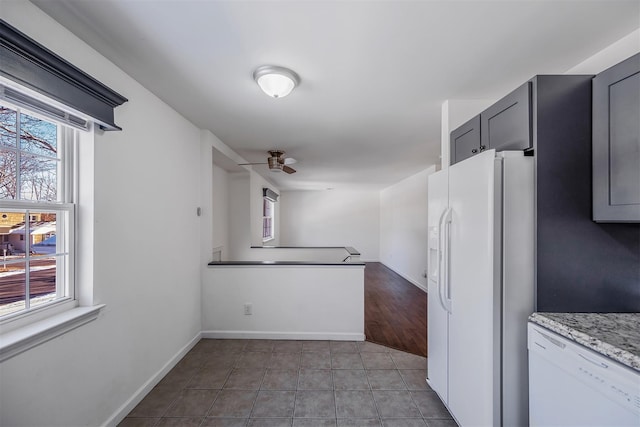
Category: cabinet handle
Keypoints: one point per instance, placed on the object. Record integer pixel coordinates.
(474, 151)
(482, 148)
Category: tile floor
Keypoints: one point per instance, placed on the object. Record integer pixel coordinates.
(293, 383)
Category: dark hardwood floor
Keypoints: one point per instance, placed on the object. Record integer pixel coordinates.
(395, 311)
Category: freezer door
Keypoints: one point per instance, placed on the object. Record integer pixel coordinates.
(437, 317)
(474, 295)
(438, 196)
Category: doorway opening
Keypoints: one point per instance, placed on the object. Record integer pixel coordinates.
(395, 310)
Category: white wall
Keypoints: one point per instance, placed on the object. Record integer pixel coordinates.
(288, 302)
(617, 52)
(332, 255)
(239, 216)
(220, 209)
(146, 256)
(245, 214)
(403, 227)
(231, 201)
(332, 218)
(215, 200)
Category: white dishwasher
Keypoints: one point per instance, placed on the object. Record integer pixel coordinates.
(570, 385)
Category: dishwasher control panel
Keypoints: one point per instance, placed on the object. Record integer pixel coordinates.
(558, 366)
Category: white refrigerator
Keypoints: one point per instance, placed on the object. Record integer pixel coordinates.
(481, 287)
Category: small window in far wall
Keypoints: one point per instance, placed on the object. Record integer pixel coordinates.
(267, 220)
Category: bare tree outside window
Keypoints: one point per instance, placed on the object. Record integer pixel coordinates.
(29, 157)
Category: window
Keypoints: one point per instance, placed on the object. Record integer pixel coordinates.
(269, 197)
(37, 205)
(39, 163)
(268, 207)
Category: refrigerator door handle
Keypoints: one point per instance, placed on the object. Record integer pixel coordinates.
(441, 255)
(443, 273)
(446, 285)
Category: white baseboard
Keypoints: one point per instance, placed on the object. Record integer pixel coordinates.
(137, 397)
(333, 336)
(420, 286)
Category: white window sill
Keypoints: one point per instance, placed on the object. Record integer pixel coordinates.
(19, 340)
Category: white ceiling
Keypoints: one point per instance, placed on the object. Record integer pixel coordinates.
(373, 73)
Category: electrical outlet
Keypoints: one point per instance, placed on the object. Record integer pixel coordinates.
(248, 309)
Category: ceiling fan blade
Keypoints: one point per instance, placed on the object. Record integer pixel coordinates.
(276, 162)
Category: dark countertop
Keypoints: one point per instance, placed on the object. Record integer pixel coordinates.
(281, 263)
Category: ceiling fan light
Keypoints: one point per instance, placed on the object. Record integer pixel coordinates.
(274, 164)
(277, 82)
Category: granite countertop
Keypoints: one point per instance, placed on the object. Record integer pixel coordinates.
(615, 335)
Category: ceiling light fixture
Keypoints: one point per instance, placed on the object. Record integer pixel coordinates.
(277, 82)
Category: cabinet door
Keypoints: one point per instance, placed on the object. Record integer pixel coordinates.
(506, 125)
(465, 140)
(616, 143)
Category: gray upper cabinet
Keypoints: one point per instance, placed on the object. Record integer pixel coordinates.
(465, 140)
(506, 125)
(582, 265)
(616, 143)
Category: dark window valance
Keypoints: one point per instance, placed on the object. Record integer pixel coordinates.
(30, 64)
(270, 194)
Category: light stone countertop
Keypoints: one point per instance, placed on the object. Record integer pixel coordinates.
(615, 335)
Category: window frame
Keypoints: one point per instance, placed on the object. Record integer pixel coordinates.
(65, 206)
(268, 221)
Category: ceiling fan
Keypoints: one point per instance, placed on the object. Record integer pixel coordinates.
(277, 162)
